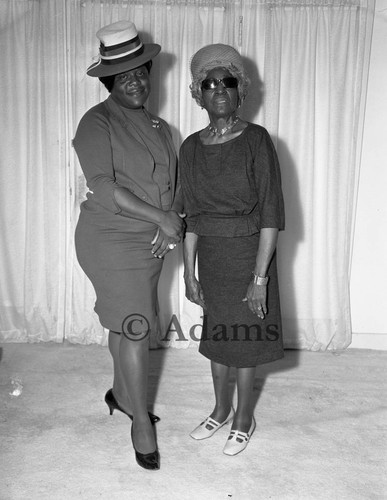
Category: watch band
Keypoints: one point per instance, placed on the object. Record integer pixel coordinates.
(260, 280)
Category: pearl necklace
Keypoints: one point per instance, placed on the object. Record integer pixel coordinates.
(215, 131)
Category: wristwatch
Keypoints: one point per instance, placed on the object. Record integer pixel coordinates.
(260, 280)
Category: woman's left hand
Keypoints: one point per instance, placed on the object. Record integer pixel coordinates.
(161, 244)
(256, 299)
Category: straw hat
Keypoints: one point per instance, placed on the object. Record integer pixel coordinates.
(121, 49)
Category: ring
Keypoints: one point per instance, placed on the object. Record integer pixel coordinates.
(171, 246)
(260, 308)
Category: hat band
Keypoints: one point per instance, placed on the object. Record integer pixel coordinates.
(116, 51)
(129, 57)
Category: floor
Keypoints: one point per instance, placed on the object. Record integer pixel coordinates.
(321, 428)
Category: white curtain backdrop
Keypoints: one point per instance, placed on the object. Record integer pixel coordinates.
(308, 61)
(315, 73)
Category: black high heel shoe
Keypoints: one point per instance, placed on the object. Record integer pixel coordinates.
(150, 461)
(112, 403)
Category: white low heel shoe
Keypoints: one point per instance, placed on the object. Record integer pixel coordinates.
(207, 428)
(237, 440)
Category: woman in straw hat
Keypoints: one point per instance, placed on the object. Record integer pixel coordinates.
(232, 197)
(130, 220)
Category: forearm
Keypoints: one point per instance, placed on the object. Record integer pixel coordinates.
(190, 250)
(193, 289)
(178, 200)
(267, 244)
(132, 206)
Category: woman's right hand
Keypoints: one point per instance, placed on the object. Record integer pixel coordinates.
(194, 292)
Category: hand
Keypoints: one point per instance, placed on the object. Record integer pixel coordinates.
(172, 224)
(168, 234)
(256, 299)
(161, 244)
(194, 292)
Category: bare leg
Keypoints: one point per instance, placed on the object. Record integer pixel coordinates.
(134, 362)
(244, 411)
(220, 378)
(119, 386)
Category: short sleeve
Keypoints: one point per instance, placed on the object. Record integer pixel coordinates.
(190, 209)
(267, 177)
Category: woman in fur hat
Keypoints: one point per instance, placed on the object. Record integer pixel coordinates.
(232, 197)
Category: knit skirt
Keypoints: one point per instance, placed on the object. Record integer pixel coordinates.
(233, 335)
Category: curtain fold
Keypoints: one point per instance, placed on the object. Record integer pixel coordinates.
(32, 175)
(314, 58)
(308, 62)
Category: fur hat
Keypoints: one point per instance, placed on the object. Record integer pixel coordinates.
(213, 56)
(121, 50)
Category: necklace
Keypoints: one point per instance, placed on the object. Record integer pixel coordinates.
(222, 131)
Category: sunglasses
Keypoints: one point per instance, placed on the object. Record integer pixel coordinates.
(229, 82)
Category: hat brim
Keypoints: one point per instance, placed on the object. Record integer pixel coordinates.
(100, 68)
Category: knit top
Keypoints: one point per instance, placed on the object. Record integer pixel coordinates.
(234, 188)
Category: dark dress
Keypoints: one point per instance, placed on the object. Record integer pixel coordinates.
(117, 147)
(231, 191)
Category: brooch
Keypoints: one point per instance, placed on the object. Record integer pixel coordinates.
(155, 123)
